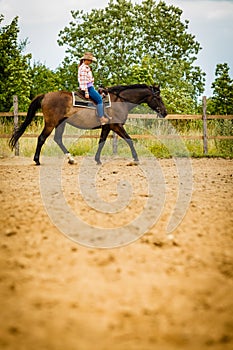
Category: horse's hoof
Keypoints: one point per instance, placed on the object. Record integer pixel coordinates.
(98, 162)
(134, 162)
(37, 162)
(70, 159)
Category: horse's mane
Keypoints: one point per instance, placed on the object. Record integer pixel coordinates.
(118, 88)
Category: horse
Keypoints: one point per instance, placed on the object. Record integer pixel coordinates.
(58, 109)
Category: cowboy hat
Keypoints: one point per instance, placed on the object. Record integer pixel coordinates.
(88, 56)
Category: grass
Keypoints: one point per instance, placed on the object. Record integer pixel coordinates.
(161, 148)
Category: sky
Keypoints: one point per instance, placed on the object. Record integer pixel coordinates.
(210, 21)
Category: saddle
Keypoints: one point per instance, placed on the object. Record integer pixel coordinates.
(79, 99)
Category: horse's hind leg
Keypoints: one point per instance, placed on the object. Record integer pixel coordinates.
(41, 140)
(58, 139)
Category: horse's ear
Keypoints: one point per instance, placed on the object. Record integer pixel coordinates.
(156, 89)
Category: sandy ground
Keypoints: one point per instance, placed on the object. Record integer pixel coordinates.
(160, 292)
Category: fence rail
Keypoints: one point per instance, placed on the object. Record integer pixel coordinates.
(204, 117)
(141, 116)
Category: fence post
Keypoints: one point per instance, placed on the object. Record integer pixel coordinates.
(16, 121)
(205, 136)
(114, 143)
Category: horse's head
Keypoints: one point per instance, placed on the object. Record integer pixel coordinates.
(136, 94)
(156, 103)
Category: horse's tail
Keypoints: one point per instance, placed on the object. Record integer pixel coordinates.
(34, 106)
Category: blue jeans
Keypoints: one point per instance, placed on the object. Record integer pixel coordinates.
(96, 97)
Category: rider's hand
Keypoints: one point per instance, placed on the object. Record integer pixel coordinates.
(86, 95)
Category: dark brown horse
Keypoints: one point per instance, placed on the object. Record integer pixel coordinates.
(58, 109)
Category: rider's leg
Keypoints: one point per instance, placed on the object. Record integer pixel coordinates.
(97, 98)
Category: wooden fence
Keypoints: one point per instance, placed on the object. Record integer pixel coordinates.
(204, 117)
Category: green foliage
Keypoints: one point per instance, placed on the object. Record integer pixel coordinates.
(222, 100)
(142, 73)
(17, 76)
(44, 80)
(178, 101)
(68, 74)
(14, 68)
(178, 93)
(137, 43)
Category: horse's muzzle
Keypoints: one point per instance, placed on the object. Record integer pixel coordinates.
(161, 114)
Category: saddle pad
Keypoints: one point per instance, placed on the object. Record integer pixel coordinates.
(78, 101)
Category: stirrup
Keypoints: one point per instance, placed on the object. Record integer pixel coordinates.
(107, 116)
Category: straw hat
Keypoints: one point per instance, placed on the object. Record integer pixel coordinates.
(88, 56)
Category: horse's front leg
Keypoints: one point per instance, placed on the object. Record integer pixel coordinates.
(104, 134)
(119, 130)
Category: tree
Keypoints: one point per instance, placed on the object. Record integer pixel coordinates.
(44, 80)
(14, 67)
(68, 73)
(222, 100)
(178, 94)
(148, 39)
